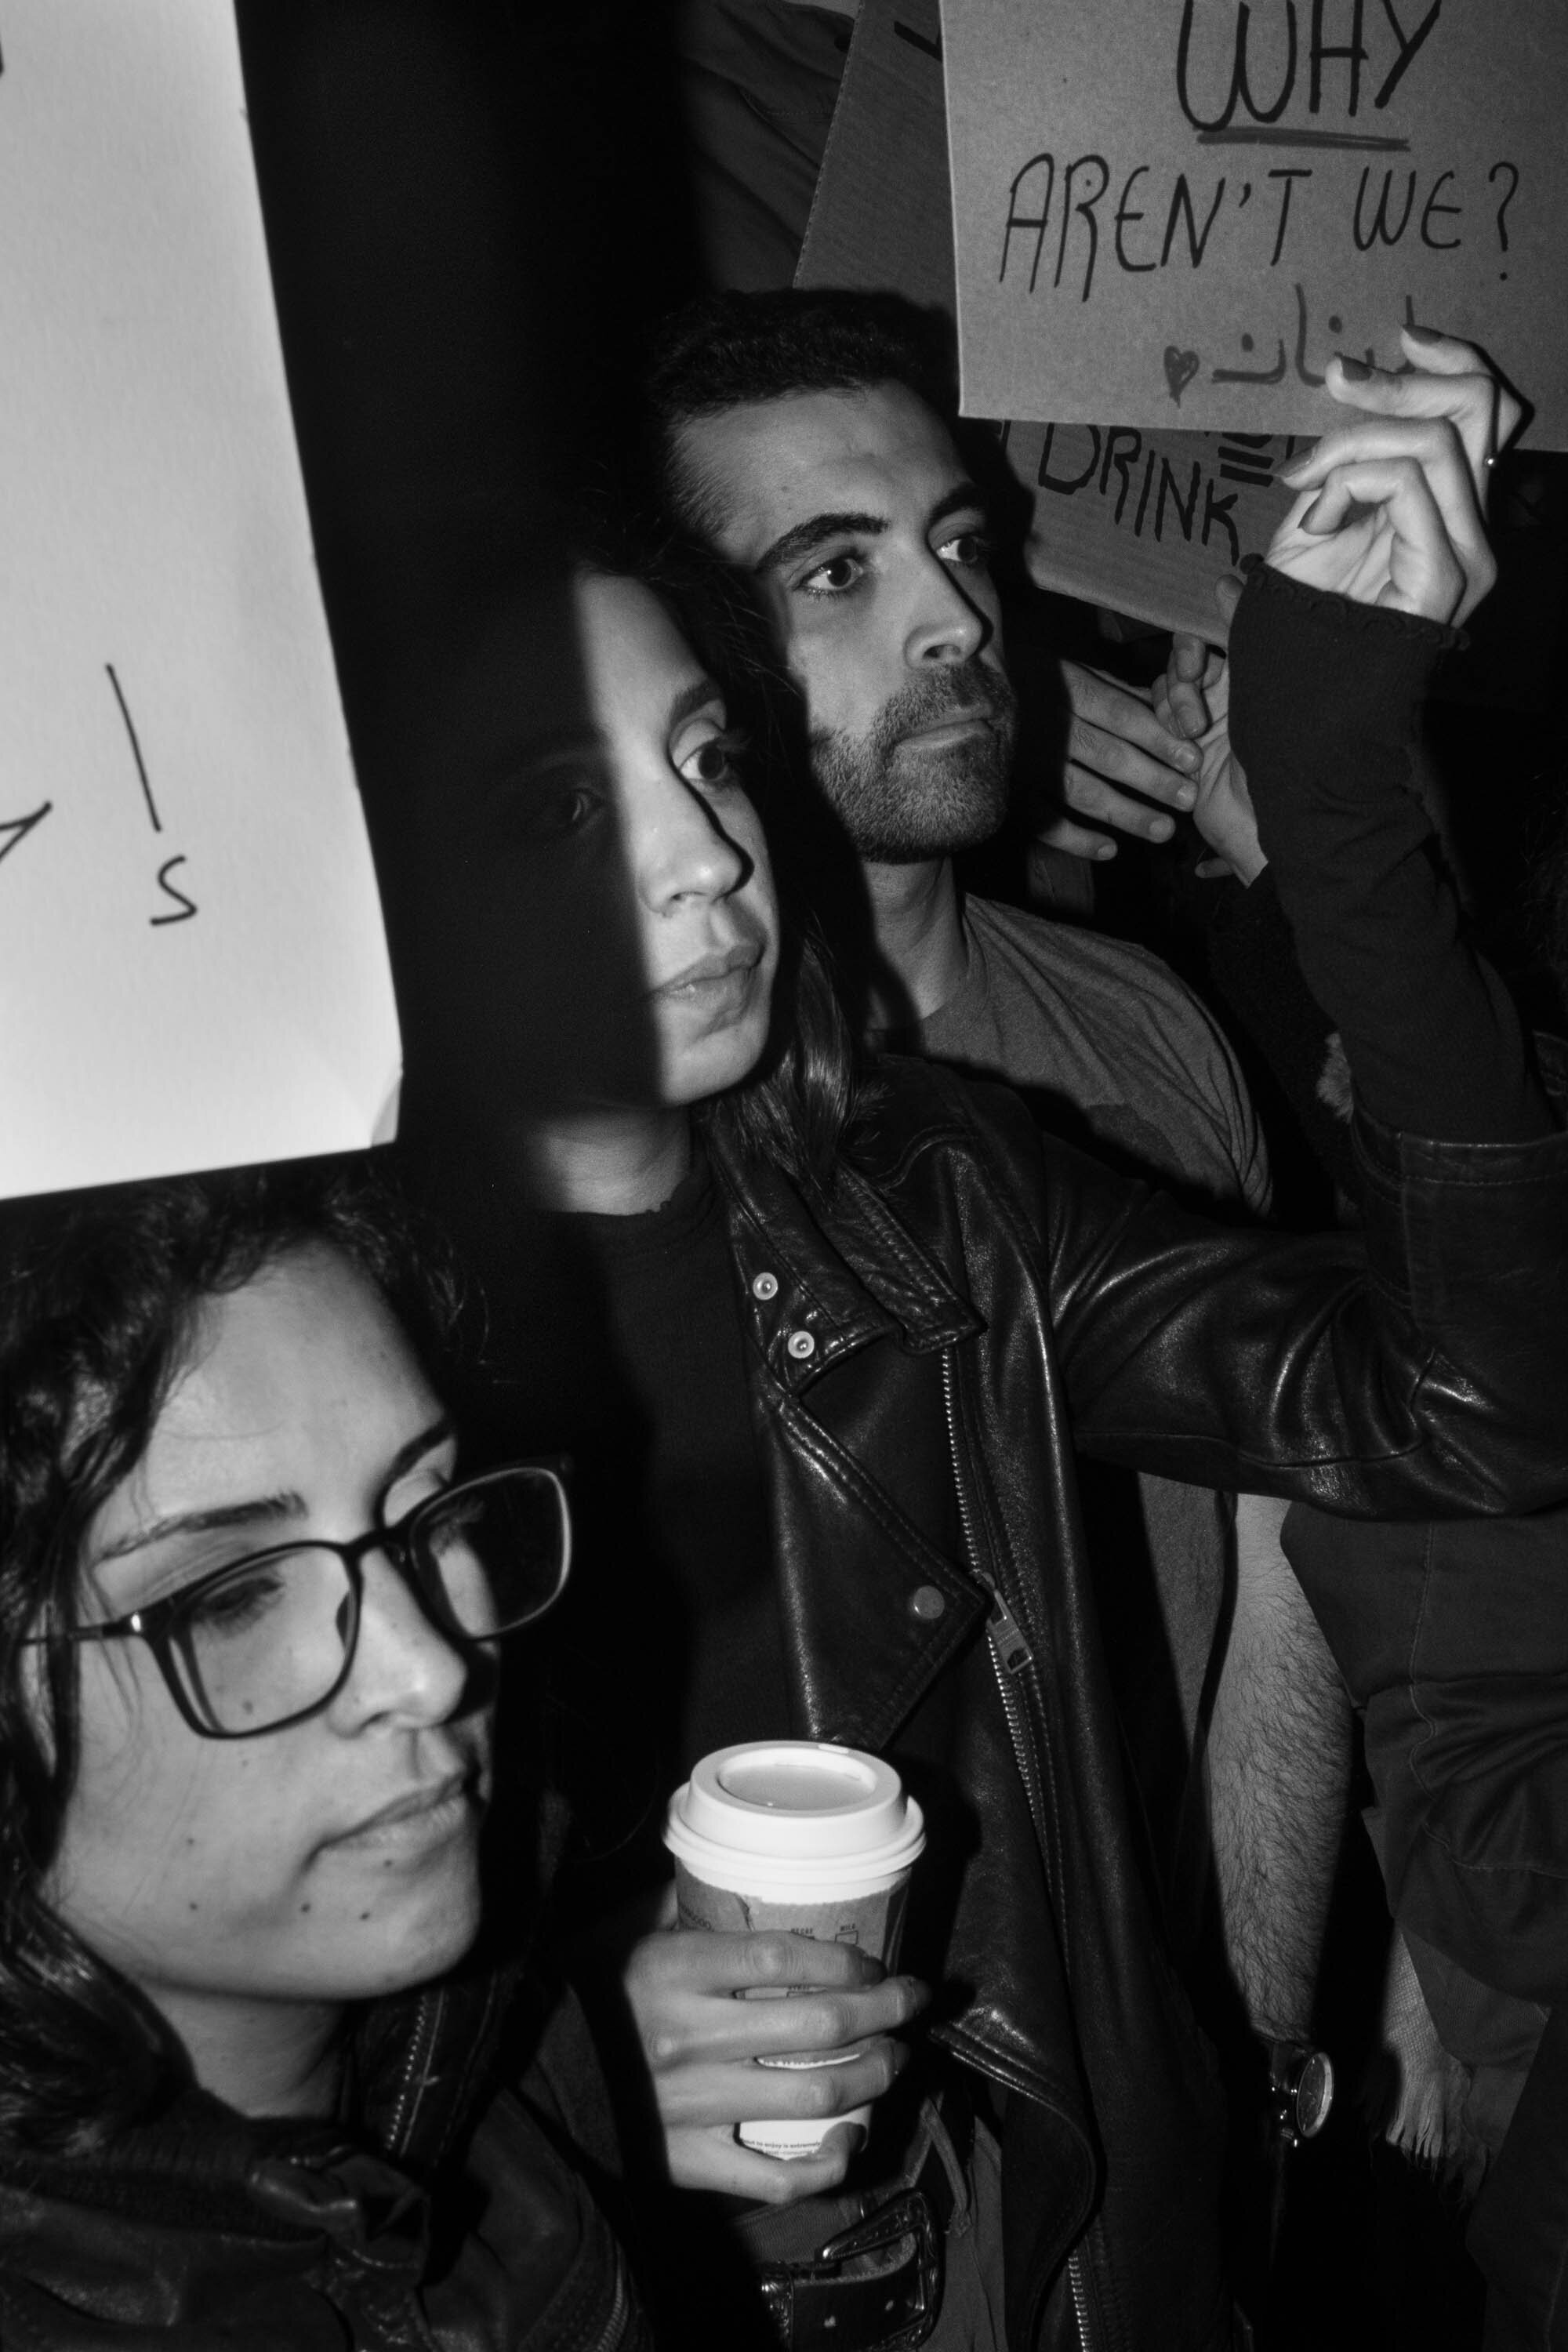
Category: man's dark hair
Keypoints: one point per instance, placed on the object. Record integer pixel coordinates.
(99, 1295)
(729, 351)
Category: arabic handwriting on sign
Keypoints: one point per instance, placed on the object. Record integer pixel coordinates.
(16, 829)
(1303, 370)
(1276, 373)
(1180, 369)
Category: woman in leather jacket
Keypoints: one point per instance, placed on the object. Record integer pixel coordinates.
(919, 1307)
(253, 2085)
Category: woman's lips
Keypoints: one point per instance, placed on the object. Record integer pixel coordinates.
(726, 969)
(426, 1816)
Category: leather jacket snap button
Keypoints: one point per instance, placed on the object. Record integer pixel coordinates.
(801, 1344)
(764, 1286)
(927, 1603)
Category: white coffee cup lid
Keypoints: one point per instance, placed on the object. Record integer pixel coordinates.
(796, 1798)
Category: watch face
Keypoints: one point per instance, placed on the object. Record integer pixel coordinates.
(1314, 2094)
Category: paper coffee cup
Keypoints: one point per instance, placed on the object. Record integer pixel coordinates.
(799, 1835)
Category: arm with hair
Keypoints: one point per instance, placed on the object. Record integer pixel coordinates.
(1276, 1757)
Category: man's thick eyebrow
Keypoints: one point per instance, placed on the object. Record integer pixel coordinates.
(262, 1510)
(802, 536)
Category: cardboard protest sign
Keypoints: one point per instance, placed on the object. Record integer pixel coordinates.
(882, 216)
(192, 961)
(1175, 211)
(1145, 522)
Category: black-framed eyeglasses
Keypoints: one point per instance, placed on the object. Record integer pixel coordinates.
(268, 1640)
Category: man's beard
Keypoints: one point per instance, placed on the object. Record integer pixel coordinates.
(899, 807)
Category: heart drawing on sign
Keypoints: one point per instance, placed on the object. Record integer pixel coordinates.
(1180, 369)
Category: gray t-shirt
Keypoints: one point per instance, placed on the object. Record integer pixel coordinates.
(1113, 1035)
(1109, 1046)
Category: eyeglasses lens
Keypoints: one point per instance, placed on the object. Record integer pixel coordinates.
(496, 1549)
(269, 1642)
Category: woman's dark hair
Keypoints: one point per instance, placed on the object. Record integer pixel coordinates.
(792, 1110)
(98, 1298)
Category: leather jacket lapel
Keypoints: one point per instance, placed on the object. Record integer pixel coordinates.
(812, 1303)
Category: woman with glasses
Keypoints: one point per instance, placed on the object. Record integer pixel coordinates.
(250, 1620)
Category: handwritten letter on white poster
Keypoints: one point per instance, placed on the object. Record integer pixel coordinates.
(193, 972)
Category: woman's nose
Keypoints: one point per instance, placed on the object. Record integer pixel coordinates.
(678, 845)
(403, 1667)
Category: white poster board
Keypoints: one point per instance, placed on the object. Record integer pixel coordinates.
(1174, 212)
(191, 962)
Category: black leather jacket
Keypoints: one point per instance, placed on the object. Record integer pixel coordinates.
(976, 1301)
(448, 2220)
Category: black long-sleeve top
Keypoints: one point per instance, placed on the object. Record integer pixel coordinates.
(1327, 744)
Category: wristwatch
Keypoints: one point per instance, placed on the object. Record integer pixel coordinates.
(1300, 2090)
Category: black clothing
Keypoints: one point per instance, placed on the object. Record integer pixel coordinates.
(1326, 699)
(713, 1635)
(448, 2220)
(1452, 1636)
(970, 1266)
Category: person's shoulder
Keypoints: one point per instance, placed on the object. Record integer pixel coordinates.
(913, 1107)
(927, 1136)
(1141, 1014)
(1067, 950)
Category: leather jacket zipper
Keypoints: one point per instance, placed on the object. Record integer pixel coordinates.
(1012, 1658)
(414, 2066)
(612, 2333)
(1010, 1652)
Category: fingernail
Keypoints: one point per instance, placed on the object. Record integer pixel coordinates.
(1424, 334)
(1187, 795)
(1107, 849)
(1190, 757)
(1296, 474)
(1357, 370)
(1161, 828)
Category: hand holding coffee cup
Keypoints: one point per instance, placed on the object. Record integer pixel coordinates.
(702, 2046)
(814, 1837)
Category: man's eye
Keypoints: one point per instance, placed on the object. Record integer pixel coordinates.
(834, 578)
(970, 550)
